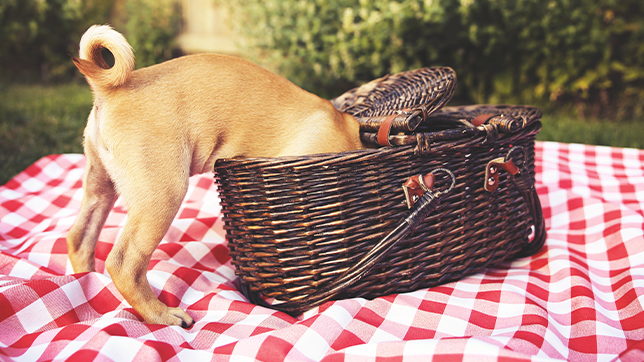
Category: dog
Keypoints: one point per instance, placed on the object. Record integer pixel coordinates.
(150, 129)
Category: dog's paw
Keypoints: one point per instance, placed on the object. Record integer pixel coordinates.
(179, 317)
(171, 317)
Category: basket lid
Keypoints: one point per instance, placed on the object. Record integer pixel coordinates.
(403, 99)
(393, 110)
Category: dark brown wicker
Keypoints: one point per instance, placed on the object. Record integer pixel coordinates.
(303, 230)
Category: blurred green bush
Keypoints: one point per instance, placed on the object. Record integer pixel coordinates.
(37, 37)
(588, 54)
(151, 27)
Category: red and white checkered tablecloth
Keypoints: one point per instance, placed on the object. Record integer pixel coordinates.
(581, 298)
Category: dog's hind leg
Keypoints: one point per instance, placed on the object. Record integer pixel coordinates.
(99, 197)
(152, 198)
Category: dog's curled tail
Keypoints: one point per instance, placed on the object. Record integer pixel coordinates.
(91, 63)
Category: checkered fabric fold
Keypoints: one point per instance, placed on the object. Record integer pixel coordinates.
(580, 298)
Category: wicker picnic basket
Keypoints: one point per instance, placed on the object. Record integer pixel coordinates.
(444, 193)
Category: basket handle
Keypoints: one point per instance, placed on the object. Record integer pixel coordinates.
(422, 207)
(524, 183)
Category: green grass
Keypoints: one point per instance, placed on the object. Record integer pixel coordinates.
(594, 132)
(36, 121)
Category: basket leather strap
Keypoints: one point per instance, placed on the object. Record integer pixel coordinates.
(407, 115)
(481, 119)
(385, 130)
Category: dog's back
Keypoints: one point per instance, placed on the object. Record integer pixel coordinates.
(211, 97)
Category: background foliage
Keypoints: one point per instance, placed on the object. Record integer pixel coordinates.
(589, 54)
(584, 55)
(151, 28)
(575, 58)
(37, 37)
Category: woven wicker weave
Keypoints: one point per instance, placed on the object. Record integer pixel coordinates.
(303, 230)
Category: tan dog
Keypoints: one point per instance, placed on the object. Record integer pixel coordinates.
(152, 128)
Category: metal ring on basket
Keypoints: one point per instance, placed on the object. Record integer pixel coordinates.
(524, 160)
(450, 174)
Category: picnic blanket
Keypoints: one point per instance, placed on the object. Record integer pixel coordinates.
(580, 298)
